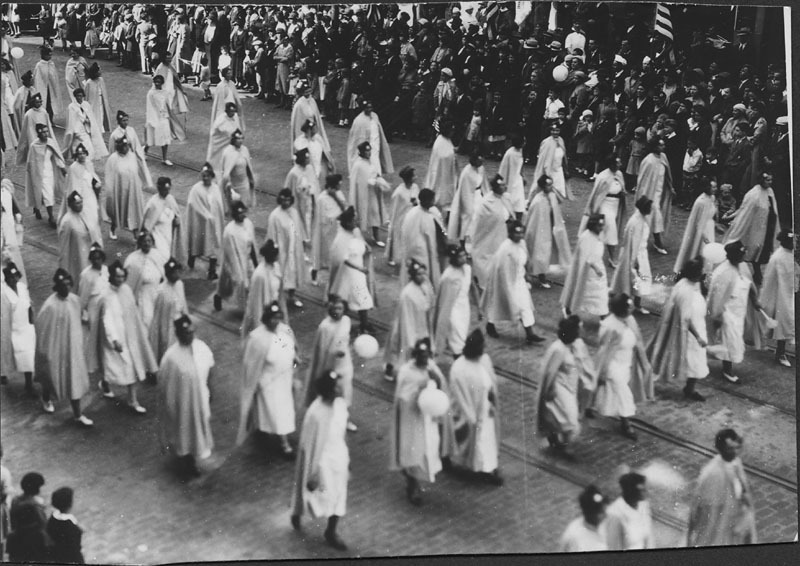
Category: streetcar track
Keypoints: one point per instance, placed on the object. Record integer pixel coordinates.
(527, 382)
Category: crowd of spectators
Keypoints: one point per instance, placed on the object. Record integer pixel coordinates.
(722, 114)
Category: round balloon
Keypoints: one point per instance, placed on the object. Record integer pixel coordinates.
(17, 53)
(560, 73)
(714, 253)
(433, 402)
(366, 346)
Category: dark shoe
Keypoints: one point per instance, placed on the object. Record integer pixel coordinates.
(37, 213)
(590, 413)
(534, 339)
(217, 303)
(151, 378)
(628, 432)
(212, 274)
(367, 329)
(296, 522)
(414, 495)
(494, 478)
(693, 395)
(190, 262)
(491, 330)
(333, 540)
(288, 453)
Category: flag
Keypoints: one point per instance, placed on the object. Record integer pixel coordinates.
(663, 23)
(373, 16)
(552, 17)
(522, 11)
(490, 12)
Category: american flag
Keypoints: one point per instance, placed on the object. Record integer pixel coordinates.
(663, 23)
(373, 15)
(490, 12)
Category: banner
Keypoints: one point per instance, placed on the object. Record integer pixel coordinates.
(522, 11)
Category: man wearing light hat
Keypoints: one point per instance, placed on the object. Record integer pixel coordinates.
(185, 372)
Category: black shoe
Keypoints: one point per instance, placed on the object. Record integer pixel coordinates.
(590, 413)
(190, 262)
(333, 540)
(693, 395)
(151, 378)
(628, 432)
(212, 274)
(534, 339)
(296, 522)
(217, 303)
(288, 453)
(494, 478)
(491, 330)
(37, 213)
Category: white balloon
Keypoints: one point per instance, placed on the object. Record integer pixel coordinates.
(17, 52)
(560, 73)
(714, 253)
(432, 401)
(366, 346)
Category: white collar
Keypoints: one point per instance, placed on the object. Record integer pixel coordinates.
(64, 516)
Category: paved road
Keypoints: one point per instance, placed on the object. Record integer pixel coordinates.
(135, 510)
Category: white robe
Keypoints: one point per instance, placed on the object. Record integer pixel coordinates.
(18, 355)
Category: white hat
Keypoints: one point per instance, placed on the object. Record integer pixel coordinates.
(739, 106)
(620, 59)
(587, 112)
(782, 121)
(646, 60)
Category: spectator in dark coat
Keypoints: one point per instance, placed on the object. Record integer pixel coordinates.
(31, 484)
(28, 541)
(63, 529)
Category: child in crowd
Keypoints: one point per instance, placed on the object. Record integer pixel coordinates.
(343, 98)
(726, 204)
(204, 78)
(638, 150)
(472, 137)
(692, 165)
(584, 148)
(64, 530)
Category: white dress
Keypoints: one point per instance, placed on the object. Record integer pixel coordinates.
(645, 275)
(559, 182)
(23, 333)
(579, 537)
(334, 463)
(628, 528)
(460, 315)
(162, 232)
(486, 445)
(375, 144)
(610, 209)
(615, 399)
(696, 355)
(732, 331)
(522, 295)
(274, 405)
(145, 288)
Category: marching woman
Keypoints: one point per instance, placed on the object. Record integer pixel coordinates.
(285, 228)
(45, 79)
(145, 267)
(677, 352)
(351, 269)
(18, 333)
(329, 206)
(10, 222)
(475, 411)
(731, 294)
(204, 221)
(74, 238)
(93, 284)
(625, 376)
(222, 128)
(60, 366)
(317, 146)
(82, 178)
(178, 103)
(608, 198)
(123, 130)
(507, 297)
(655, 182)
(633, 276)
(415, 436)
(267, 401)
(225, 94)
(777, 293)
(442, 174)
(629, 523)
(28, 131)
(238, 250)
(320, 481)
(545, 232)
(567, 371)
(82, 128)
(304, 183)
(237, 172)
(44, 173)
(489, 228)
(75, 71)
(511, 171)
(97, 97)
(366, 193)
(306, 122)
(404, 198)
(451, 313)
(552, 161)
(367, 128)
(162, 218)
(586, 285)
(587, 533)
(157, 128)
(412, 319)
(331, 349)
(700, 227)
(422, 237)
(126, 353)
(23, 98)
(186, 370)
(473, 185)
(266, 287)
(169, 304)
(126, 176)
